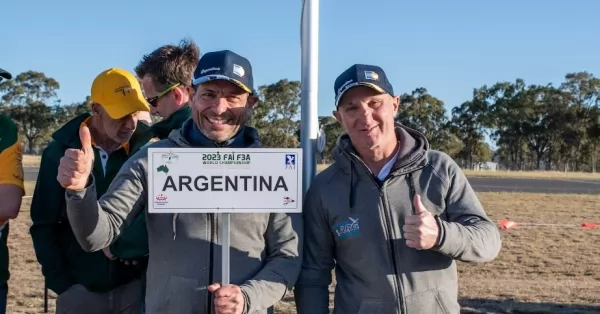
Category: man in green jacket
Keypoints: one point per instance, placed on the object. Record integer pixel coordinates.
(11, 189)
(166, 75)
(89, 282)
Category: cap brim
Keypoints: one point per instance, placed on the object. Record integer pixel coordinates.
(118, 111)
(204, 79)
(5, 74)
(349, 86)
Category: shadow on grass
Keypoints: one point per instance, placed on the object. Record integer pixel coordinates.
(517, 307)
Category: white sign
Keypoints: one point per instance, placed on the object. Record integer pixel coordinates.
(224, 180)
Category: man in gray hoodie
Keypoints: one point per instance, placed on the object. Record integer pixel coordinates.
(390, 214)
(184, 265)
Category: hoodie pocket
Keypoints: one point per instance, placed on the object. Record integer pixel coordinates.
(377, 307)
(180, 295)
(426, 302)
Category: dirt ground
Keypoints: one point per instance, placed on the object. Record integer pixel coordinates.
(31, 160)
(544, 269)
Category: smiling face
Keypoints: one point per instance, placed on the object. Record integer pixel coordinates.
(368, 117)
(220, 108)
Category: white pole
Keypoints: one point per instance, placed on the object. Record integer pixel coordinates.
(225, 248)
(309, 89)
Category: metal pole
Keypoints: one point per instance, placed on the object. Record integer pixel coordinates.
(309, 89)
(225, 248)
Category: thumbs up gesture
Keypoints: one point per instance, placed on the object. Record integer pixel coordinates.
(421, 230)
(76, 165)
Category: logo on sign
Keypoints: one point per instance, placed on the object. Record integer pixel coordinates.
(287, 200)
(290, 161)
(160, 199)
(169, 158)
(348, 228)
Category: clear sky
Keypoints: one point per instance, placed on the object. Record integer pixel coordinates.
(449, 47)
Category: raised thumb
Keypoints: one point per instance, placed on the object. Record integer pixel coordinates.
(86, 139)
(419, 207)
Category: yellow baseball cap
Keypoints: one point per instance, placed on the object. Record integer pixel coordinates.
(119, 93)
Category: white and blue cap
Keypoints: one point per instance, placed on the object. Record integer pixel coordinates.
(224, 65)
(362, 75)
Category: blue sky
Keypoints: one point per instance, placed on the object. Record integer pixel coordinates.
(449, 47)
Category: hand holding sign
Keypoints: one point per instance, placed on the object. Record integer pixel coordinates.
(76, 165)
(228, 299)
(421, 230)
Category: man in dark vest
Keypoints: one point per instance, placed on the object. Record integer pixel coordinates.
(89, 282)
(166, 75)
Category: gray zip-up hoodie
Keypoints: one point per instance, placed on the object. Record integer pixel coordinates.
(185, 249)
(354, 222)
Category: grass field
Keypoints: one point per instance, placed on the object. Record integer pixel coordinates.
(520, 174)
(539, 270)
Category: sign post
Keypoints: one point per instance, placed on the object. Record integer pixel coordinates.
(224, 181)
(309, 84)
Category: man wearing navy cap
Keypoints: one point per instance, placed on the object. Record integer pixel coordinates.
(390, 215)
(185, 254)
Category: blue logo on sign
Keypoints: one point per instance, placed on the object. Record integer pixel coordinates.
(348, 228)
(290, 161)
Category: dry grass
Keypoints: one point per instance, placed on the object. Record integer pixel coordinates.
(31, 160)
(540, 269)
(520, 174)
(534, 174)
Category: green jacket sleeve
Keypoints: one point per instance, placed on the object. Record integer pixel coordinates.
(48, 219)
(132, 243)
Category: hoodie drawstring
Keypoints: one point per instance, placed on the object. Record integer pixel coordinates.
(411, 190)
(175, 225)
(352, 198)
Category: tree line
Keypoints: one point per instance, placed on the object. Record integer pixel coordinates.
(534, 127)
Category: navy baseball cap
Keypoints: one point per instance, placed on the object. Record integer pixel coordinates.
(224, 65)
(5, 75)
(362, 75)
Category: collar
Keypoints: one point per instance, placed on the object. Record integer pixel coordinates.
(196, 139)
(162, 128)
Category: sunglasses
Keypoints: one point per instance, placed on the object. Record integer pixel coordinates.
(153, 100)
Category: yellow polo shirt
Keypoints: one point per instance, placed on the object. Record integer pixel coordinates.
(11, 153)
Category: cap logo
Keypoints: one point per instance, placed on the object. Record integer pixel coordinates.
(370, 75)
(124, 89)
(210, 69)
(343, 87)
(238, 70)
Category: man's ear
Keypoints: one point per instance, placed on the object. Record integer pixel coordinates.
(178, 94)
(336, 115)
(396, 104)
(96, 108)
(190, 90)
(252, 100)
